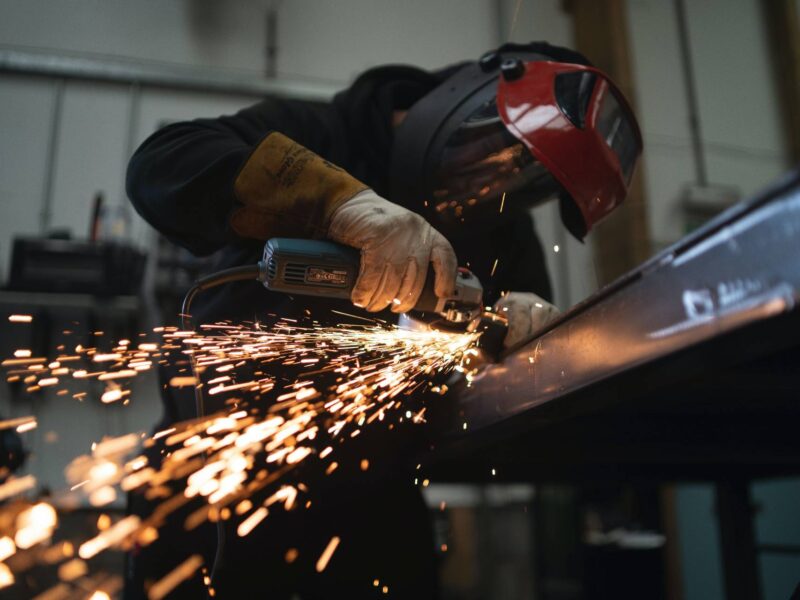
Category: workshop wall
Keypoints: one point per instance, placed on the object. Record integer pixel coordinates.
(737, 103)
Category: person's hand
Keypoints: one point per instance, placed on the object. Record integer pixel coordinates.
(396, 246)
(526, 312)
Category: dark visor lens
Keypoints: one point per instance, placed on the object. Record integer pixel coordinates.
(616, 129)
(481, 161)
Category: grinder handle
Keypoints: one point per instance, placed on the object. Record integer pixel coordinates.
(428, 301)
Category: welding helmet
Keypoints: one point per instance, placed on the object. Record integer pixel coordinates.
(517, 129)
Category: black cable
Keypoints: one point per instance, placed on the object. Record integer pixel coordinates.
(255, 272)
(248, 272)
(225, 276)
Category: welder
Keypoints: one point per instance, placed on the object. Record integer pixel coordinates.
(413, 168)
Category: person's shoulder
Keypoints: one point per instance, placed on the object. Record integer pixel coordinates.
(304, 121)
(277, 107)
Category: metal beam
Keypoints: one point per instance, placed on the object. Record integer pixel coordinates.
(737, 270)
(782, 24)
(160, 75)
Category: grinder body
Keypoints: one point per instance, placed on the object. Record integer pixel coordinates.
(327, 269)
(330, 270)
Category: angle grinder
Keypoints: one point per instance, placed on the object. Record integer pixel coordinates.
(327, 269)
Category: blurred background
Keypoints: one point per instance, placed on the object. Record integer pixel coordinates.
(83, 82)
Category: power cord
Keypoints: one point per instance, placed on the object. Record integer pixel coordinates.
(257, 272)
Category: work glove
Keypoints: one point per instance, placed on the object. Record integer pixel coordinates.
(526, 313)
(396, 246)
(285, 190)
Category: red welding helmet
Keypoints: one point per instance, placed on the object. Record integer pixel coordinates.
(518, 130)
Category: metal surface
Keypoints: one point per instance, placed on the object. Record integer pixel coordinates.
(159, 75)
(740, 269)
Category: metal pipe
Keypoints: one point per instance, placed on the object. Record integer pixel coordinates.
(46, 214)
(271, 70)
(161, 75)
(134, 103)
(691, 94)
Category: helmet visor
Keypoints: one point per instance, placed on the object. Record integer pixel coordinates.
(615, 127)
(481, 162)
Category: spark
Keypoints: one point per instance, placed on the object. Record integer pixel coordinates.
(326, 555)
(502, 202)
(19, 421)
(171, 580)
(494, 267)
(27, 426)
(6, 576)
(250, 522)
(103, 522)
(338, 312)
(16, 485)
(164, 432)
(72, 570)
(20, 318)
(111, 395)
(7, 548)
(35, 525)
(112, 536)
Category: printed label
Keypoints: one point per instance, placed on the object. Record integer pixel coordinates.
(333, 277)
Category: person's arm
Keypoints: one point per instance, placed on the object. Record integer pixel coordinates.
(180, 182)
(206, 183)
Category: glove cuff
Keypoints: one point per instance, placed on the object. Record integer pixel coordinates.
(285, 189)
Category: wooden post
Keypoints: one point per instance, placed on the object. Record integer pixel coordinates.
(622, 241)
(782, 25)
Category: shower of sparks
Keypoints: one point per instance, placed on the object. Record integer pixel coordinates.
(281, 396)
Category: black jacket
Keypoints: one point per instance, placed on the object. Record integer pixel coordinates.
(181, 181)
